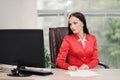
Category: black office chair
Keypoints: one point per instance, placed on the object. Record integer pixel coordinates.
(56, 36)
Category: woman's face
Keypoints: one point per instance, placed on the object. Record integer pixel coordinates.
(75, 25)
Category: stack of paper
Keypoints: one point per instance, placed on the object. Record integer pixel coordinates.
(83, 73)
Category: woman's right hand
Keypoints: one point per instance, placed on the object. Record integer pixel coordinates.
(72, 68)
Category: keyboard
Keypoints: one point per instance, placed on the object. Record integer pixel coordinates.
(36, 72)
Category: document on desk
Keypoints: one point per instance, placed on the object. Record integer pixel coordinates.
(83, 73)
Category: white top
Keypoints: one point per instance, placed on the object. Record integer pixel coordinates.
(83, 41)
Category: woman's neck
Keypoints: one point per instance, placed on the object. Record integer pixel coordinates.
(81, 35)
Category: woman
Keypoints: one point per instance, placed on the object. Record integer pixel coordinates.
(79, 47)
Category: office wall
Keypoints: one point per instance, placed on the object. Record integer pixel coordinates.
(18, 14)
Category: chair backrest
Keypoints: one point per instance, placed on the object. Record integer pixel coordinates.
(56, 36)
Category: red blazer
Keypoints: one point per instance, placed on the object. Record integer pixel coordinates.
(73, 50)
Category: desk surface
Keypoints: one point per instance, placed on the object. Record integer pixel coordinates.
(60, 74)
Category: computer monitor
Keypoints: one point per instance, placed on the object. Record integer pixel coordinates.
(22, 47)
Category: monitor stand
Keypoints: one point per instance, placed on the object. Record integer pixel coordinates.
(16, 72)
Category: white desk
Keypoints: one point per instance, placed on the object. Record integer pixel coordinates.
(60, 74)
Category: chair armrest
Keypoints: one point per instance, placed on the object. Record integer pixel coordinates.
(53, 65)
(104, 65)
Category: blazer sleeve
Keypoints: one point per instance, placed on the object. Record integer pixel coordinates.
(62, 55)
(94, 60)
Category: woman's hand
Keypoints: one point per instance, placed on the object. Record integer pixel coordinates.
(72, 68)
(84, 67)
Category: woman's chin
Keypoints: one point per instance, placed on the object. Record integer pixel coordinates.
(75, 32)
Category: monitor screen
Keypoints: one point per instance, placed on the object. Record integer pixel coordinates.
(23, 47)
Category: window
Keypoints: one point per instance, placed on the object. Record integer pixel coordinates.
(103, 17)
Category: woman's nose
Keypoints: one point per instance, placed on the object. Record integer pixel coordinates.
(72, 26)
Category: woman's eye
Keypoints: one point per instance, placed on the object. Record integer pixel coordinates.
(75, 23)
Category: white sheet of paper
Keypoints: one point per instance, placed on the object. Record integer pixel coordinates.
(83, 73)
